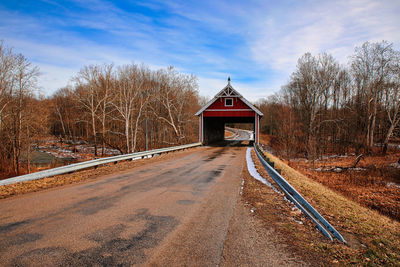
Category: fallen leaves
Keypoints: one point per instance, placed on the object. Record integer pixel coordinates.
(364, 229)
(370, 186)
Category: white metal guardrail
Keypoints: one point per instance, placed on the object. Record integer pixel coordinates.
(322, 224)
(91, 163)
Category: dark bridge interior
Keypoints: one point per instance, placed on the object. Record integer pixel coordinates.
(214, 127)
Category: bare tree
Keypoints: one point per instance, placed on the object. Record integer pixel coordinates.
(310, 85)
(371, 66)
(335, 108)
(7, 79)
(130, 85)
(116, 101)
(66, 112)
(172, 98)
(88, 94)
(104, 102)
(392, 105)
(106, 83)
(25, 82)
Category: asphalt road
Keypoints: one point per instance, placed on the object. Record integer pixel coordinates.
(175, 212)
(244, 135)
(240, 135)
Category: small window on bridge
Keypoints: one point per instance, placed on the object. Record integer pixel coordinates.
(228, 102)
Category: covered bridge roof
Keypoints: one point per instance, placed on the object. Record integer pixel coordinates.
(229, 91)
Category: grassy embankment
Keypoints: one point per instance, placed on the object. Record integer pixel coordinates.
(373, 239)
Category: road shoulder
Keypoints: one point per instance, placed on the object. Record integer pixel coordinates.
(254, 237)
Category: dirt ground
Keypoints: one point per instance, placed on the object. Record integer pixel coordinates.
(50, 152)
(372, 239)
(375, 183)
(291, 228)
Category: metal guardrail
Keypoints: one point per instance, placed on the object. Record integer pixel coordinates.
(322, 224)
(91, 163)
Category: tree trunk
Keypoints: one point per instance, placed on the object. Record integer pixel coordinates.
(94, 134)
(19, 130)
(127, 134)
(103, 135)
(136, 128)
(388, 135)
(28, 151)
(371, 142)
(62, 121)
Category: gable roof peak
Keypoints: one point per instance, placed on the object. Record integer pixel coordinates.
(229, 91)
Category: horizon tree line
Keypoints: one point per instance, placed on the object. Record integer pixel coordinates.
(330, 108)
(324, 108)
(106, 106)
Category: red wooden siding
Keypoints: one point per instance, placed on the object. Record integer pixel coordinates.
(230, 113)
(218, 109)
(220, 104)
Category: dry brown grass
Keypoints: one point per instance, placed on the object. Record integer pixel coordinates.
(369, 187)
(290, 226)
(373, 239)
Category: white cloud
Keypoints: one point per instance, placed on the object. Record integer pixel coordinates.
(331, 26)
(263, 41)
(209, 87)
(54, 77)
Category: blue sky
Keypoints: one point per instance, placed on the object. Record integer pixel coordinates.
(257, 43)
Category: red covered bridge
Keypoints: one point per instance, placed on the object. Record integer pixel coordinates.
(228, 106)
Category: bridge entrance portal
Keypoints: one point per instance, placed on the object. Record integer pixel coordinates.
(228, 106)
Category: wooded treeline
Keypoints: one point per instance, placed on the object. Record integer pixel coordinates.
(326, 107)
(107, 106)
